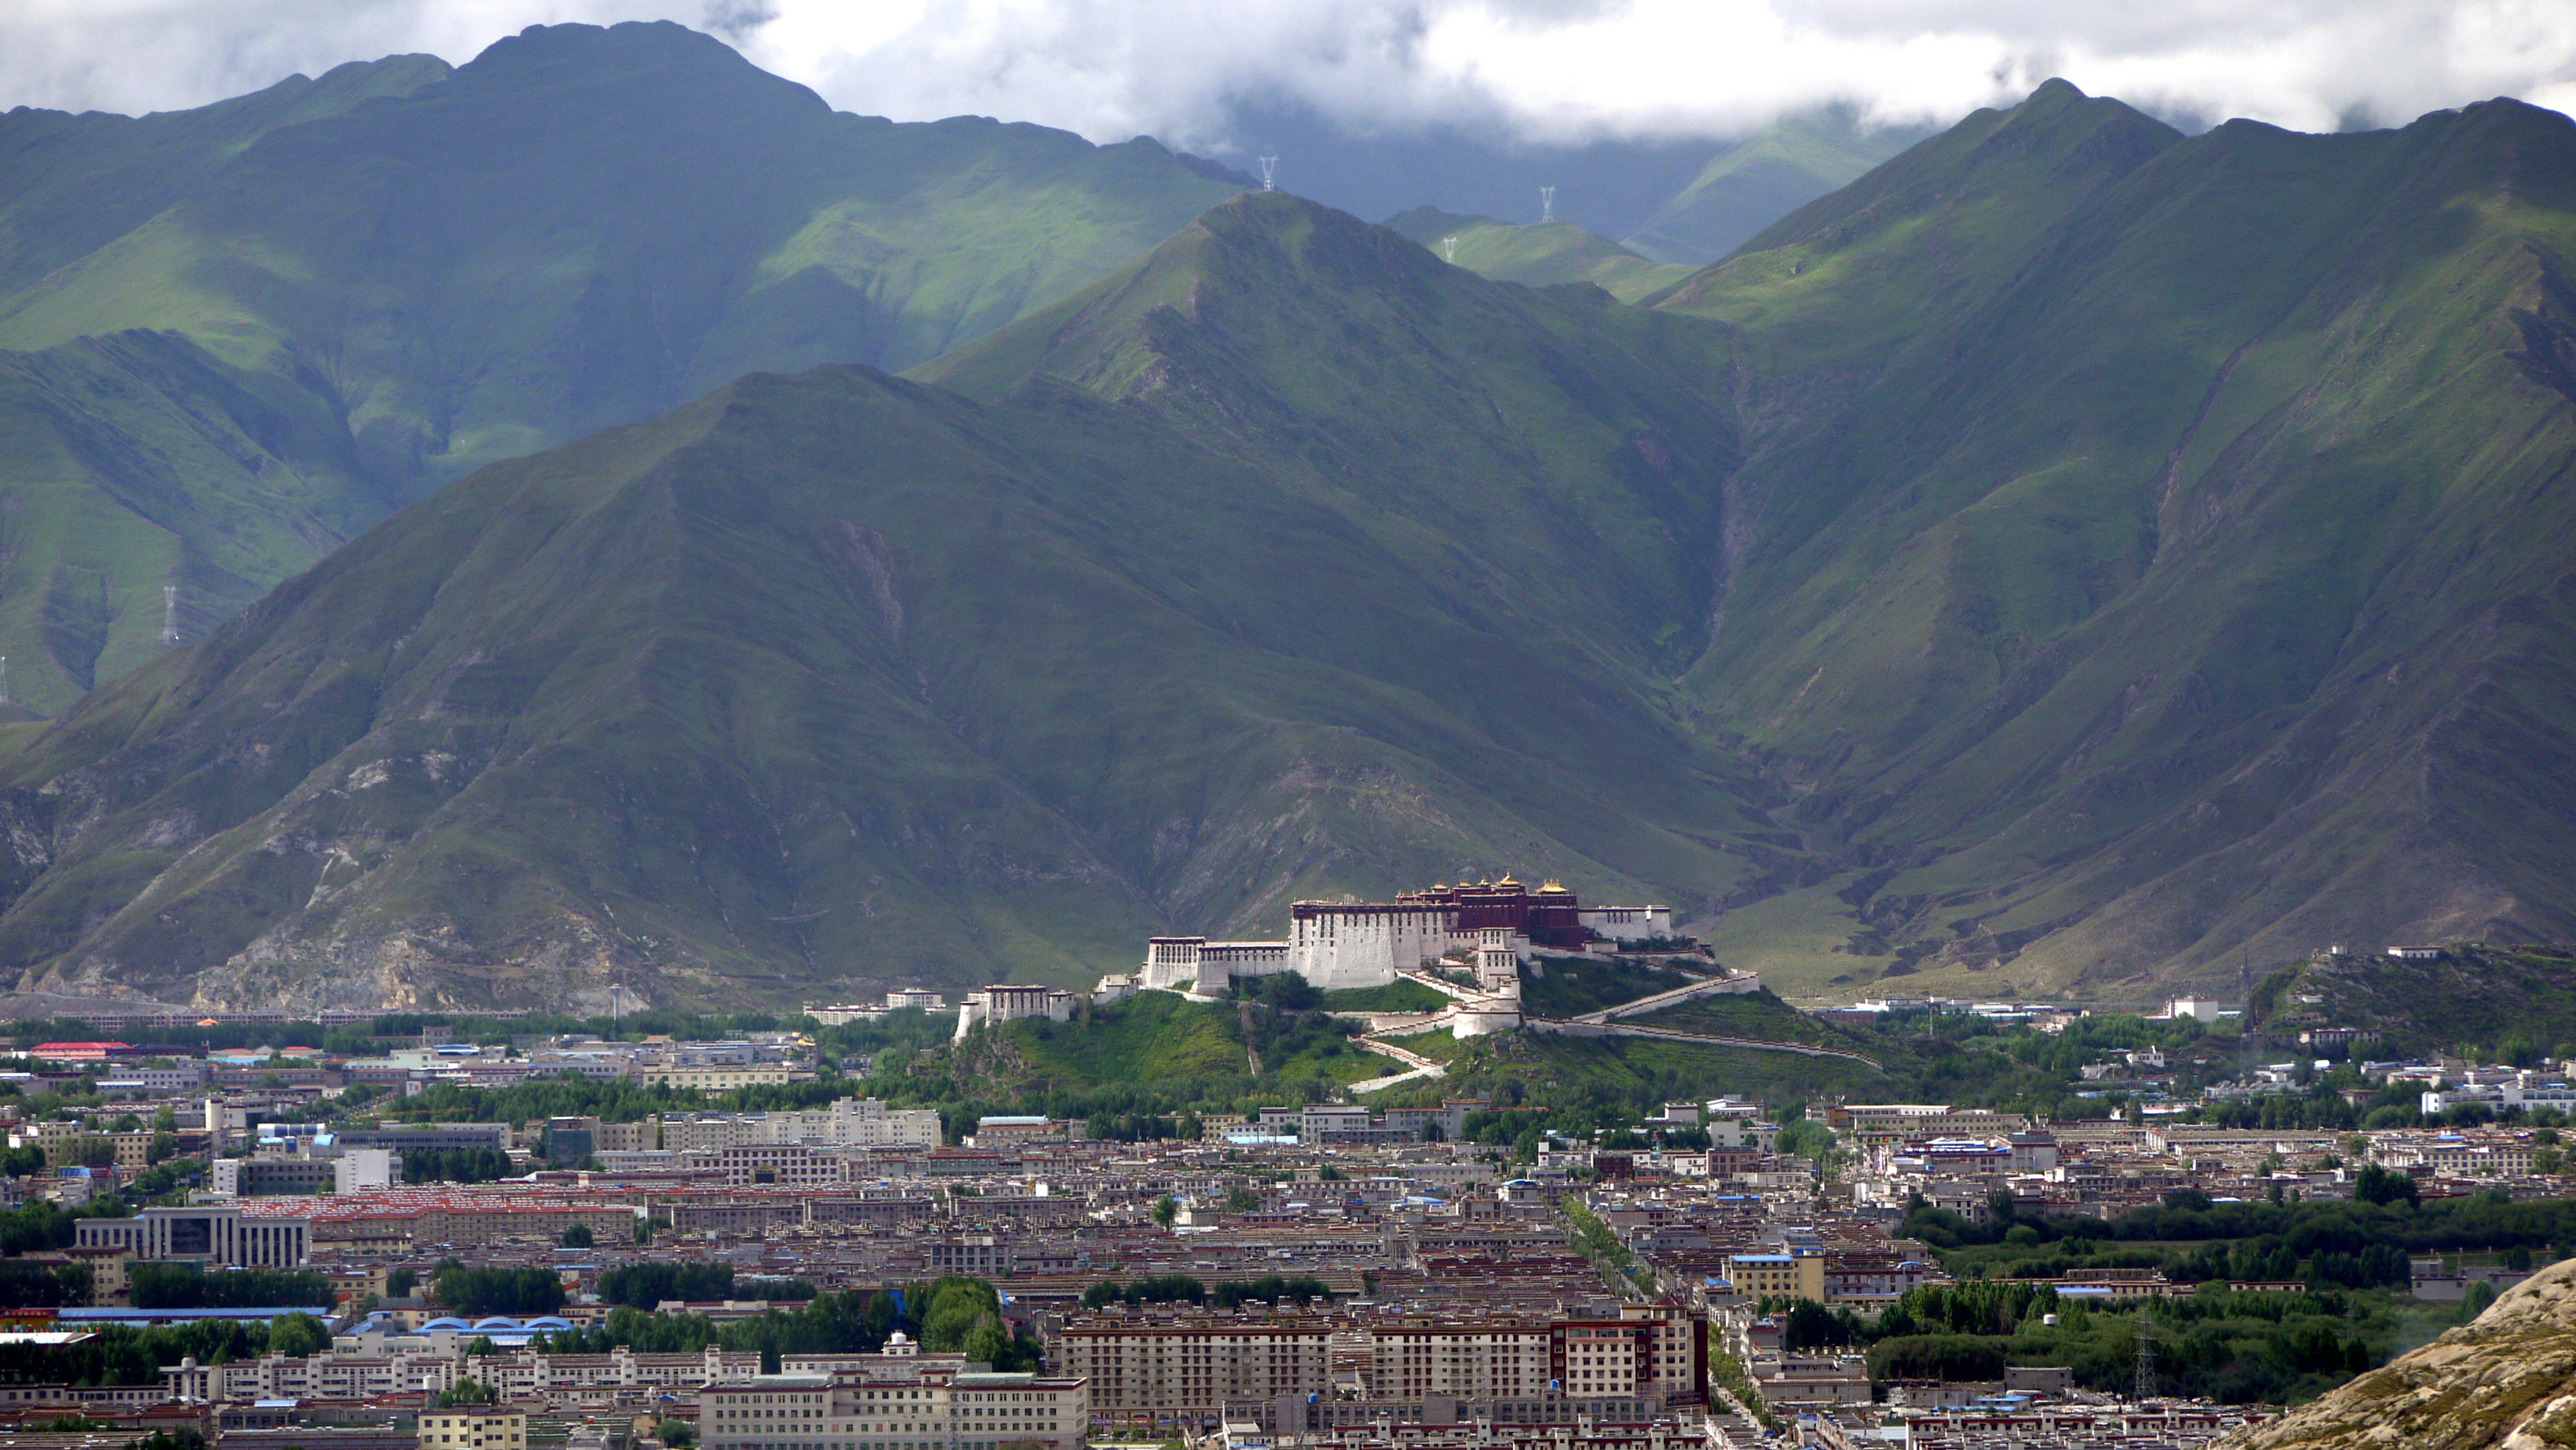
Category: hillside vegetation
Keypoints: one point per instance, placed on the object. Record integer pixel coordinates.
(2506, 1003)
(1163, 1038)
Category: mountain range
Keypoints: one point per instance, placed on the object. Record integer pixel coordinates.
(2073, 557)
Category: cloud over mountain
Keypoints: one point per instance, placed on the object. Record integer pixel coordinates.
(1528, 69)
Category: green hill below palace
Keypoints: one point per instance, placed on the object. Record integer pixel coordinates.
(1176, 1054)
(233, 338)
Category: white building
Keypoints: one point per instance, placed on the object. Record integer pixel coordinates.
(993, 1006)
(852, 1123)
(359, 1169)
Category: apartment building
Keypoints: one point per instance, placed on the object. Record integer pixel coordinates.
(1198, 1364)
(937, 1411)
(713, 1077)
(782, 1165)
(478, 1427)
(1782, 1276)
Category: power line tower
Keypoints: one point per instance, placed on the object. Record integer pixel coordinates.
(1449, 250)
(4, 679)
(1547, 203)
(169, 614)
(2146, 1359)
(1269, 167)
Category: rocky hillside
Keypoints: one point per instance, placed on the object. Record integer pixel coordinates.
(2506, 1380)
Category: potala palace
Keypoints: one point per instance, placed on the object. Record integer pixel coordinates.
(1337, 945)
(1352, 943)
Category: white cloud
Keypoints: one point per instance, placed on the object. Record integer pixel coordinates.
(1534, 69)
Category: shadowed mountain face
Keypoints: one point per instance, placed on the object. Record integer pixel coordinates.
(239, 335)
(845, 679)
(2073, 556)
(2153, 557)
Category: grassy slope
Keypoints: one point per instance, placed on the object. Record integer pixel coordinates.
(2106, 565)
(1394, 997)
(1760, 179)
(373, 283)
(840, 679)
(1759, 1015)
(1673, 1071)
(1545, 255)
(1161, 1037)
(1573, 986)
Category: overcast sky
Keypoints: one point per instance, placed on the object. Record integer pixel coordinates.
(1540, 70)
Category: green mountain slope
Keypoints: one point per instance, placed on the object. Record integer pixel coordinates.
(2154, 557)
(580, 228)
(1545, 255)
(838, 680)
(1747, 186)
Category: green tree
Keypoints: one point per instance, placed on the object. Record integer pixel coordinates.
(2380, 1185)
(577, 1236)
(475, 1293)
(1167, 1209)
(467, 1391)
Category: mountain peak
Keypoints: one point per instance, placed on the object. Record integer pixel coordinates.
(1259, 252)
(2055, 91)
(616, 55)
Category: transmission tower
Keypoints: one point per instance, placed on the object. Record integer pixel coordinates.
(1269, 168)
(169, 614)
(1547, 203)
(1449, 249)
(2146, 1360)
(4, 679)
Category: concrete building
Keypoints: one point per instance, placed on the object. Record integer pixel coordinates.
(205, 1234)
(476, 1427)
(937, 1410)
(993, 1006)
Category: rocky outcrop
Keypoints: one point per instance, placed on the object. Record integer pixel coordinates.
(2506, 1380)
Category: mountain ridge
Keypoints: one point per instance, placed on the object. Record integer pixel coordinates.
(580, 227)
